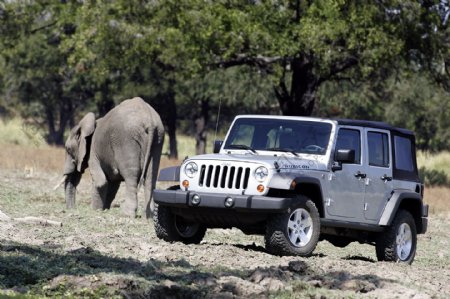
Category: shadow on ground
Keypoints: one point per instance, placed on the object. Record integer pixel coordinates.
(50, 271)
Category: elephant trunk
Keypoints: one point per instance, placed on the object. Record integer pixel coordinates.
(70, 186)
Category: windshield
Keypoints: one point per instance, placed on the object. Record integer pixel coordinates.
(307, 137)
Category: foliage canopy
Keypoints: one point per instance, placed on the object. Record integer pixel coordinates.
(358, 59)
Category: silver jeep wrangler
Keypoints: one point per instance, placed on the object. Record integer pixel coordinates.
(299, 180)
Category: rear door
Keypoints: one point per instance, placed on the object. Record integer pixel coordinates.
(378, 164)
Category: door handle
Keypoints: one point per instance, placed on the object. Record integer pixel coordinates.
(360, 175)
(386, 178)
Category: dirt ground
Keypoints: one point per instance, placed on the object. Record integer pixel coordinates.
(104, 254)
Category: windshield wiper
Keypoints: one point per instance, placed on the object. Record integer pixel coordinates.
(280, 149)
(242, 146)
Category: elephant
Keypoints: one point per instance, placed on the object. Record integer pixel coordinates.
(124, 145)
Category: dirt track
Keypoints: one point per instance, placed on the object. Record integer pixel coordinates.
(105, 254)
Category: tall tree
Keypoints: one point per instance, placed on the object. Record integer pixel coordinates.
(329, 40)
(37, 67)
(236, 89)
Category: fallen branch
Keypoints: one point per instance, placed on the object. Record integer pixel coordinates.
(29, 219)
(4, 217)
(37, 220)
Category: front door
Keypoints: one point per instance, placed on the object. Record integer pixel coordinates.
(378, 172)
(346, 193)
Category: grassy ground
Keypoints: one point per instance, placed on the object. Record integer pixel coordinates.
(103, 254)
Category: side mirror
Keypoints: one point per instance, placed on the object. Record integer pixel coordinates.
(217, 146)
(344, 156)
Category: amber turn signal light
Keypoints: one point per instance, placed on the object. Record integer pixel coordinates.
(185, 183)
(260, 188)
(293, 185)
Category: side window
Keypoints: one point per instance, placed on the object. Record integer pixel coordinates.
(378, 149)
(350, 139)
(403, 154)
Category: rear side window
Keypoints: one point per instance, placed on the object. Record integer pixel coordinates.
(378, 149)
(350, 139)
(403, 154)
(405, 166)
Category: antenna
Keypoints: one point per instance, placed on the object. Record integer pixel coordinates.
(217, 120)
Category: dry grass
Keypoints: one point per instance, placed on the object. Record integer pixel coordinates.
(439, 161)
(31, 159)
(438, 198)
(23, 149)
(15, 131)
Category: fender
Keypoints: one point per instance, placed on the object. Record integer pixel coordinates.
(394, 202)
(308, 180)
(169, 174)
(288, 181)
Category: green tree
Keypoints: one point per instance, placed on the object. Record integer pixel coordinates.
(100, 51)
(36, 67)
(222, 90)
(405, 99)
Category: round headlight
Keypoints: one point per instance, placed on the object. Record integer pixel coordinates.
(261, 173)
(191, 169)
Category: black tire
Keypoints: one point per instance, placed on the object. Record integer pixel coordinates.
(277, 237)
(172, 228)
(403, 227)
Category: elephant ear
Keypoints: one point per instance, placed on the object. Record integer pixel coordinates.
(87, 127)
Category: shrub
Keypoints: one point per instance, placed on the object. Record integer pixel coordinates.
(433, 177)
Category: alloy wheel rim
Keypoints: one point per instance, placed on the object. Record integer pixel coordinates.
(404, 241)
(300, 227)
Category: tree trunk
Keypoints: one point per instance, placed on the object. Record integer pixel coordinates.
(50, 120)
(201, 122)
(56, 128)
(106, 103)
(299, 101)
(171, 117)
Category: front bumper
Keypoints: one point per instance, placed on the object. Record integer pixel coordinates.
(179, 198)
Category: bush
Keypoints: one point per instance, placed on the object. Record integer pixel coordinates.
(433, 177)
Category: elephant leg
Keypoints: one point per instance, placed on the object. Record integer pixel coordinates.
(99, 193)
(130, 206)
(113, 187)
(99, 187)
(151, 177)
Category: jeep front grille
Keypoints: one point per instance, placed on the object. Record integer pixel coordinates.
(225, 177)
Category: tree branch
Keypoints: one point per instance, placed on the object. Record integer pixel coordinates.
(339, 68)
(259, 61)
(32, 31)
(29, 219)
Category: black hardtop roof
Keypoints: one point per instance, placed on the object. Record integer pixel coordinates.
(373, 124)
(349, 122)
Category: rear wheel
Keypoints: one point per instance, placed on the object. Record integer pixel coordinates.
(296, 231)
(398, 243)
(173, 228)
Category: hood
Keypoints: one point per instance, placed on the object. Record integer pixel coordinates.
(282, 161)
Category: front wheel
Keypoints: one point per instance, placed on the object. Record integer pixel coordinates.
(296, 231)
(398, 242)
(173, 228)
